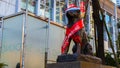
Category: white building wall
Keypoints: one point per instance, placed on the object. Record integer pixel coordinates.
(7, 7)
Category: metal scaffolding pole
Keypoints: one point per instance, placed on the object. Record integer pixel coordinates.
(48, 33)
(22, 62)
(1, 28)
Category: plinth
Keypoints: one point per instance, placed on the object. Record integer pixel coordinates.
(77, 64)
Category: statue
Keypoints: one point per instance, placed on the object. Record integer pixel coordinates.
(75, 31)
(82, 50)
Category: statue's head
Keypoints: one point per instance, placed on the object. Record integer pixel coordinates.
(72, 11)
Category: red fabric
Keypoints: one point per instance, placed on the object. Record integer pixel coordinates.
(70, 34)
(82, 6)
(72, 5)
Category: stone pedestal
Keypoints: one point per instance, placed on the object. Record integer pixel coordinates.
(82, 61)
(81, 57)
(89, 58)
(77, 64)
(64, 65)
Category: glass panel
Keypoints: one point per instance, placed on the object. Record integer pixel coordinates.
(56, 40)
(35, 43)
(108, 21)
(0, 35)
(31, 5)
(11, 41)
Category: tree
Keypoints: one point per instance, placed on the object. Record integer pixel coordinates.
(99, 28)
(99, 22)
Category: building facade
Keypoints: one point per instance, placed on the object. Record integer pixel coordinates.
(111, 15)
(8, 7)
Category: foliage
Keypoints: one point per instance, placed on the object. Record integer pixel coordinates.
(118, 24)
(2, 65)
(89, 37)
(118, 41)
(109, 59)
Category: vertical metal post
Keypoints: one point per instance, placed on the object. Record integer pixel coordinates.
(18, 6)
(54, 11)
(116, 29)
(66, 4)
(113, 35)
(53, 5)
(88, 13)
(59, 12)
(37, 7)
(48, 32)
(1, 36)
(24, 38)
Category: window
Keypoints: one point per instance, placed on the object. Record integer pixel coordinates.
(60, 8)
(44, 8)
(31, 5)
(108, 22)
(56, 11)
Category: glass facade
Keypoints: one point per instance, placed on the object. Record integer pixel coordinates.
(57, 9)
(109, 26)
(31, 5)
(44, 8)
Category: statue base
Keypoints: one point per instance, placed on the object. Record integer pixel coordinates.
(77, 64)
(67, 58)
(74, 61)
(81, 57)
